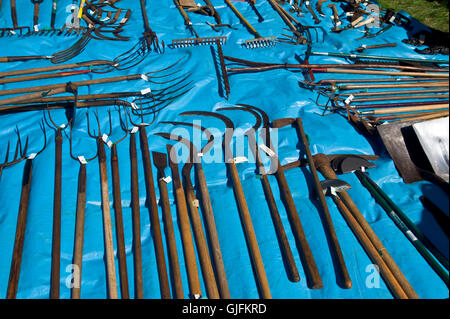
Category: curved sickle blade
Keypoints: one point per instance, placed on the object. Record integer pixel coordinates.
(208, 134)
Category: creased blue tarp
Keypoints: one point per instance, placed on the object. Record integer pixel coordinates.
(276, 92)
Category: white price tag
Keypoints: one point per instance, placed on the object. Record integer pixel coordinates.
(123, 21)
(267, 150)
(134, 106)
(144, 77)
(349, 99)
(36, 28)
(82, 160)
(167, 179)
(145, 91)
(110, 144)
(32, 156)
(134, 130)
(240, 159)
(105, 138)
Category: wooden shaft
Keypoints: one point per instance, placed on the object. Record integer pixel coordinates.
(250, 235)
(377, 72)
(79, 231)
(306, 255)
(243, 20)
(8, 59)
(324, 168)
(428, 116)
(136, 218)
(56, 234)
(200, 240)
(120, 237)
(283, 15)
(36, 14)
(170, 237)
(42, 76)
(210, 225)
(336, 249)
(393, 93)
(107, 226)
(403, 97)
(55, 68)
(46, 88)
(438, 84)
(14, 14)
(154, 218)
(16, 261)
(371, 251)
(185, 227)
(279, 228)
(31, 96)
(406, 109)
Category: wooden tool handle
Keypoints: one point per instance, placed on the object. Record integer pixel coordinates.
(336, 249)
(200, 240)
(170, 238)
(154, 218)
(56, 234)
(250, 235)
(185, 227)
(243, 20)
(118, 217)
(107, 226)
(19, 239)
(14, 14)
(309, 264)
(324, 168)
(281, 233)
(212, 231)
(136, 219)
(371, 251)
(79, 231)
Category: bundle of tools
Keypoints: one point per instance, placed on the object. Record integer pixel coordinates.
(104, 24)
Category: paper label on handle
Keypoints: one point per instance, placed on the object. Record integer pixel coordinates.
(105, 138)
(82, 160)
(267, 150)
(123, 21)
(36, 28)
(32, 156)
(145, 91)
(349, 99)
(134, 106)
(144, 77)
(392, 19)
(411, 235)
(240, 159)
(134, 130)
(110, 144)
(167, 179)
(196, 203)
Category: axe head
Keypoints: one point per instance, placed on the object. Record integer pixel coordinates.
(334, 186)
(350, 163)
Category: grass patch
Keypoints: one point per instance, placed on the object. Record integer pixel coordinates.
(433, 13)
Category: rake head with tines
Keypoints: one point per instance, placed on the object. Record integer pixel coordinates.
(19, 153)
(183, 43)
(260, 43)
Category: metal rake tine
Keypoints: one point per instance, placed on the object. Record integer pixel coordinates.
(76, 158)
(123, 126)
(74, 50)
(166, 102)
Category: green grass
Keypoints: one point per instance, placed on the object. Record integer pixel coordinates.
(433, 14)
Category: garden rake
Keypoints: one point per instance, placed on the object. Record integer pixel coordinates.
(188, 42)
(15, 29)
(259, 41)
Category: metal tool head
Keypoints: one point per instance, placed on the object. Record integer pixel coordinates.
(260, 43)
(97, 135)
(189, 42)
(331, 187)
(83, 159)
(160, 161)
(193, 153)
(73, 51)
(350, 163)
(19, 153)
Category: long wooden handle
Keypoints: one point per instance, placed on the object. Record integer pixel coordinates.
(185, 228)
(371, 251)
(170, 238)
(56, 234)
(324, 168)
(210, 224)
(200, 240)
(14, 14)
(309, 264)
(377, 72)
(250, 235)
(107, 226)
(79, 231)
(154, 218)
(36, 14)
(406, 109)
(336, 249)
(31, 96)
(243, 20)
(136, 218)
(118, 216)
(16, 261)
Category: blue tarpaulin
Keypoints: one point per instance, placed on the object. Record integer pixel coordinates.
(277, 92)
